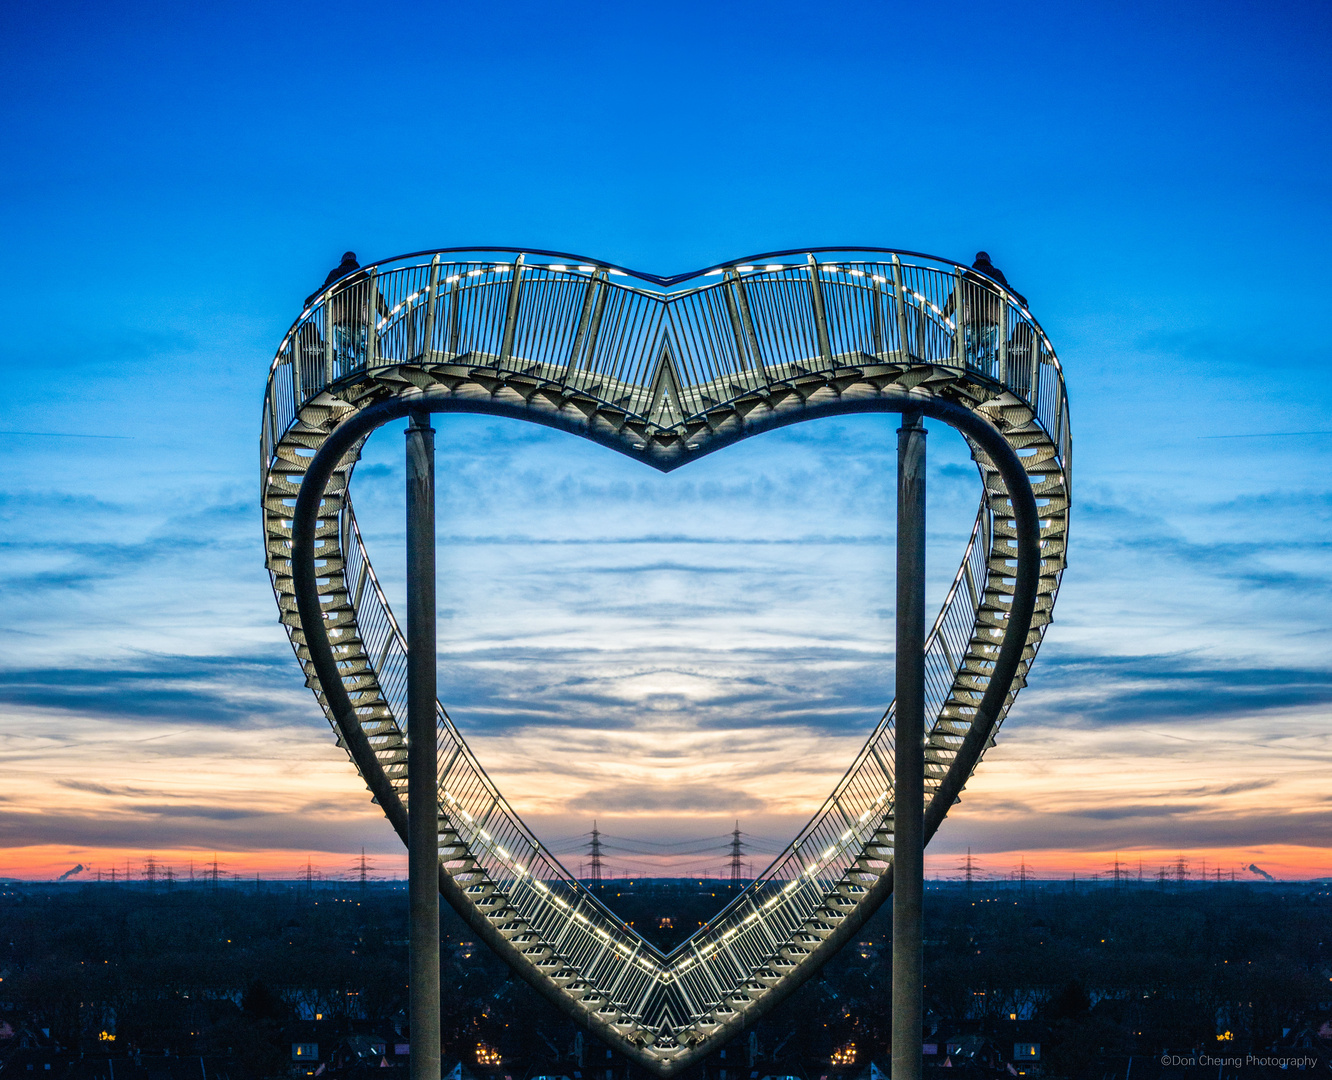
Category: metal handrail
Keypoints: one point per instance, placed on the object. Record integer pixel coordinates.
(316, 357)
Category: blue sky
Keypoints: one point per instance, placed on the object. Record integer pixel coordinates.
(1154, 178)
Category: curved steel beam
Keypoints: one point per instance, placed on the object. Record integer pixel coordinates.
(305, 521)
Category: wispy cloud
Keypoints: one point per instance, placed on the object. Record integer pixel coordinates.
(1181, 826)
(1072, 688)
(497, 690)
(200, 828)
(689, 799)
(233, 691)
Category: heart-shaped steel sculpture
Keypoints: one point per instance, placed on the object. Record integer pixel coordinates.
(665, 370)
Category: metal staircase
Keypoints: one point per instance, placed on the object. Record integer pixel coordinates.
(664, 370)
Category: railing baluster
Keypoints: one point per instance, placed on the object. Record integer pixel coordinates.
(455, 315)
(876, 319)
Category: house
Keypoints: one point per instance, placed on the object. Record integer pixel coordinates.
(373, 1051)
(970, 1052)
(306, 1038)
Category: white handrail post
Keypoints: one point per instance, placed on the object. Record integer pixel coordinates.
(899, 294)
(1035, 370)
(511, 312)
(820, 316)
(584, 322)
(328, 340)
(372, 314)
(733, 310)
(297, 390)
(876, 318)
(959, 320)
(428, 338)
(747, 322)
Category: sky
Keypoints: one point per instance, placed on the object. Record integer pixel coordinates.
(666, 655)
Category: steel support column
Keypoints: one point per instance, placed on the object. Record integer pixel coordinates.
(909, 752)
(422, 800)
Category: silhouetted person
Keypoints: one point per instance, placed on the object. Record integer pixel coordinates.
(993, 272)
(343, 268)
(981, 310)
(349, 307)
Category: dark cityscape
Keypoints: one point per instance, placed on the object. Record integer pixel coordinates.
(236, 979)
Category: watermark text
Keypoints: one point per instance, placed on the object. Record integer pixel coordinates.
(1237, 1062)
